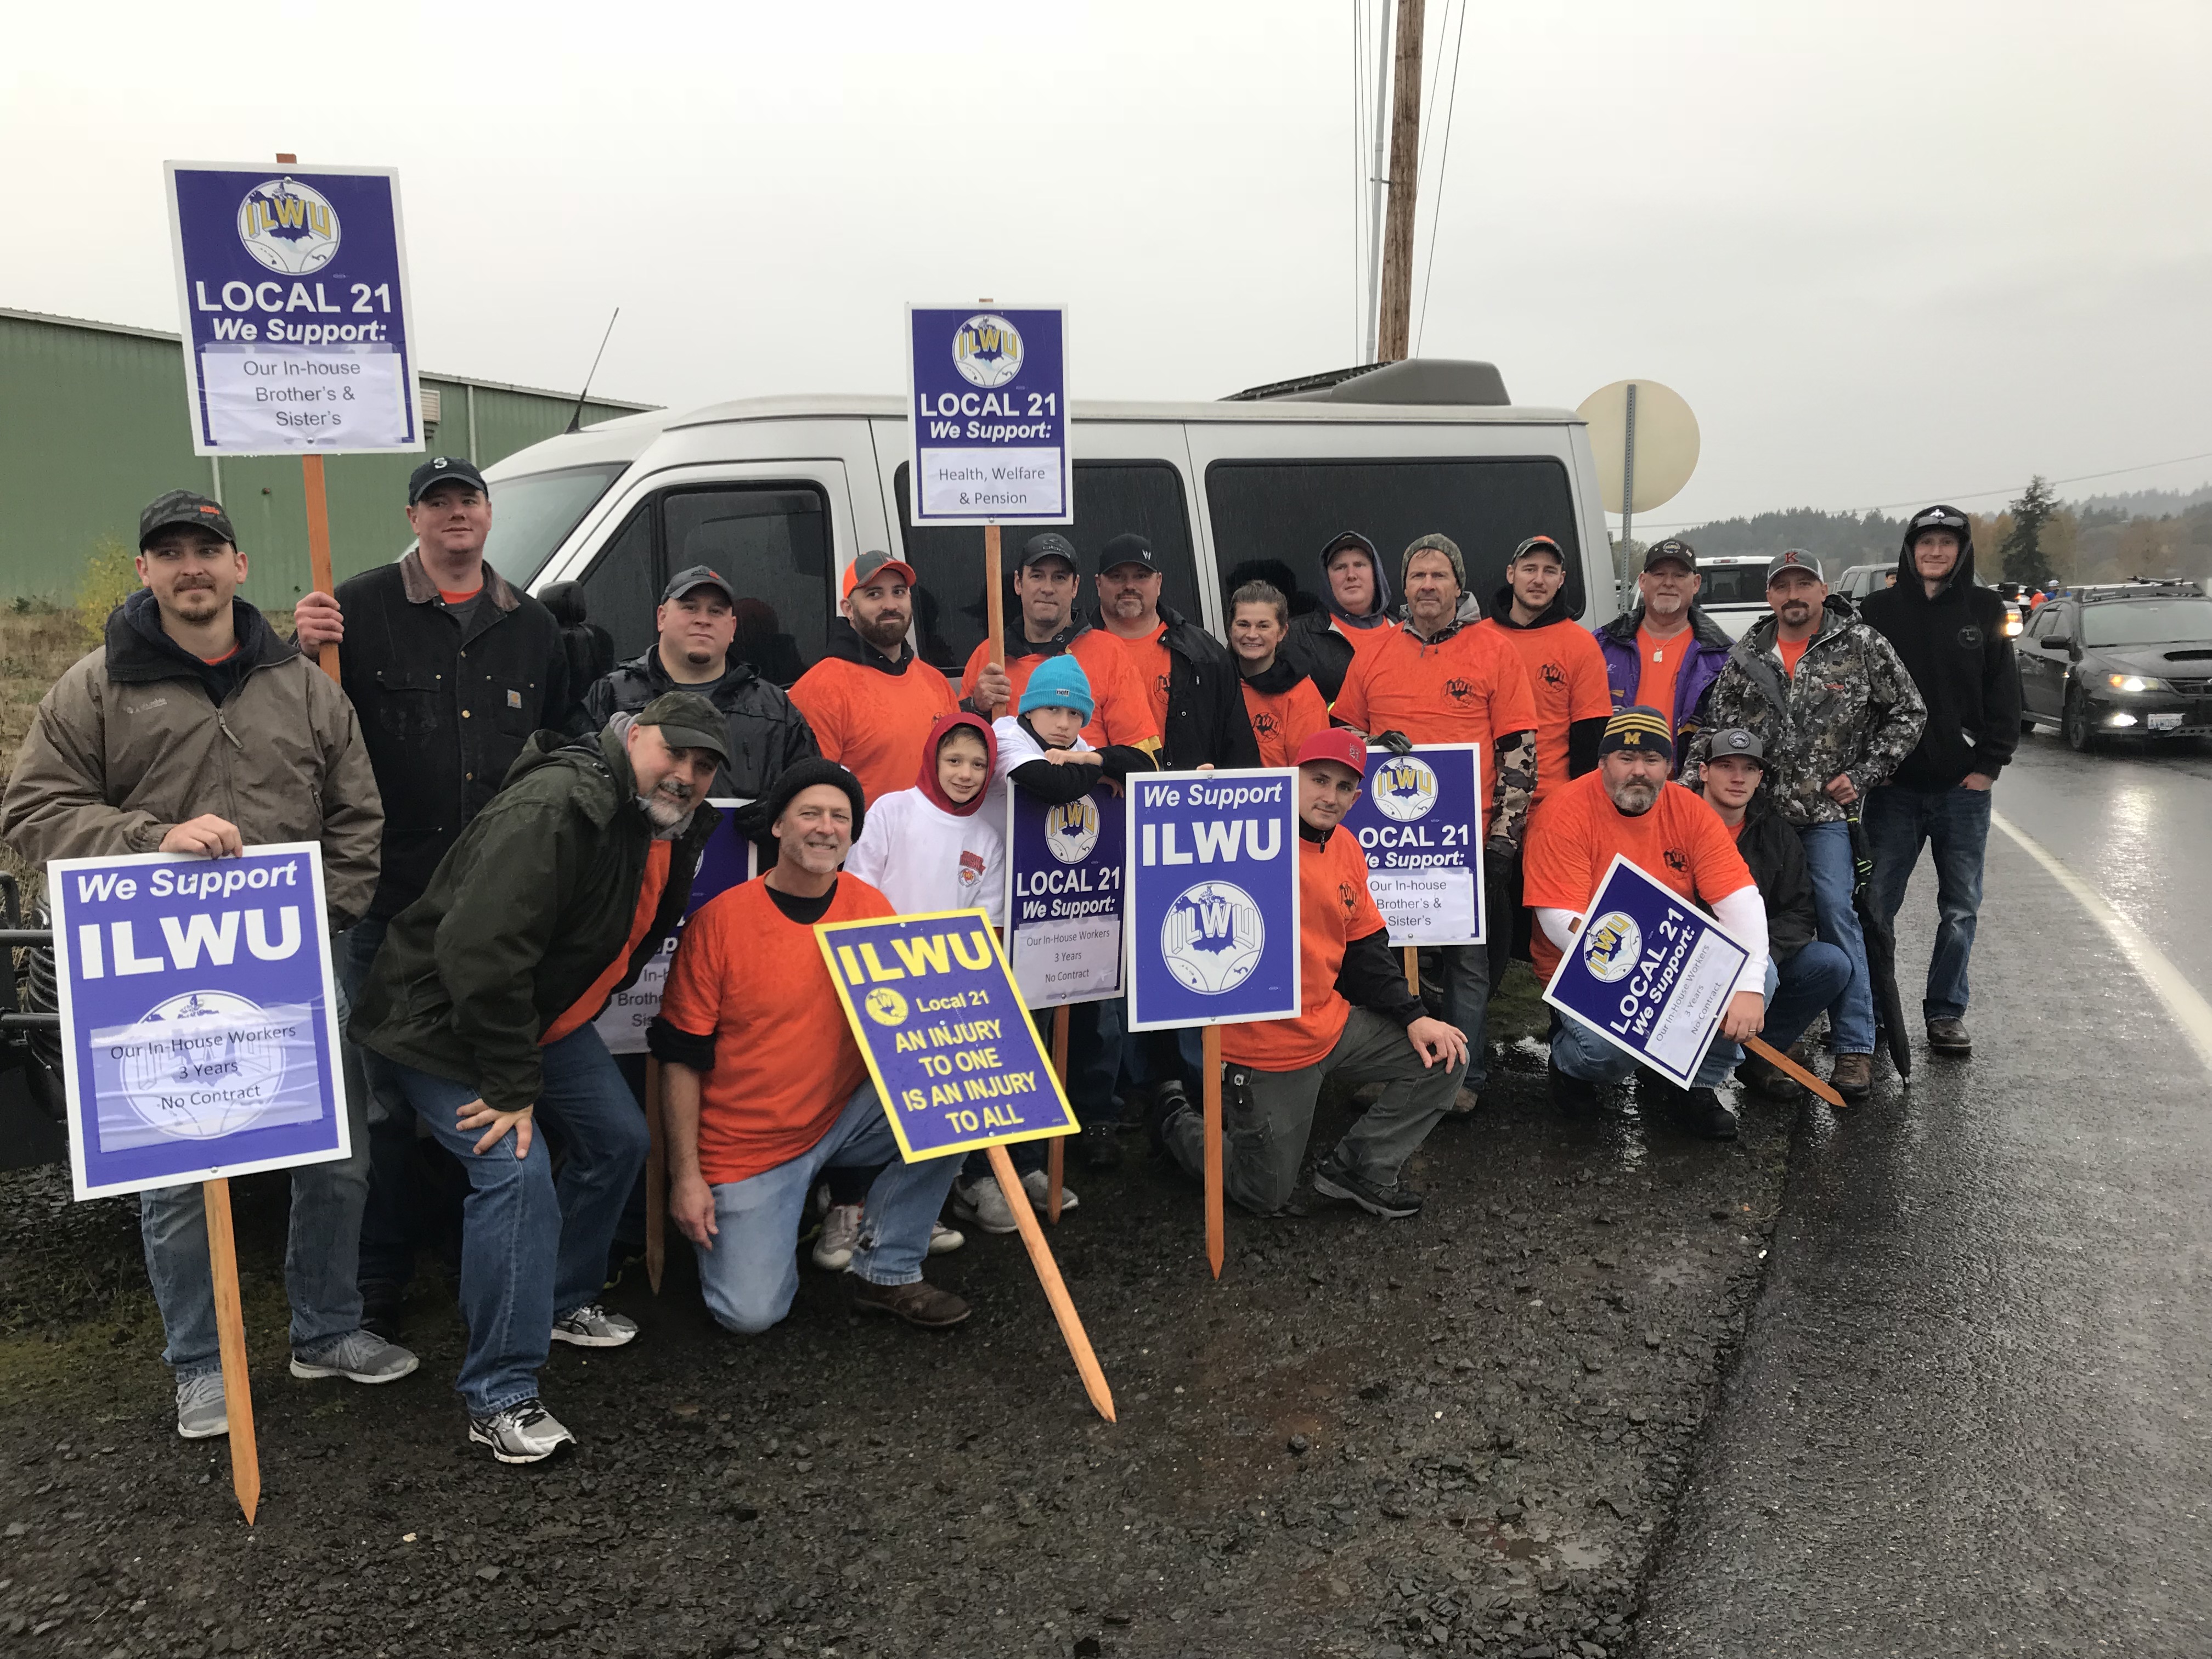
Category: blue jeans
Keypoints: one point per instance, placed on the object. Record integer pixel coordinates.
(1580, 1052)
(1455, 990)
(1954, 824)
(1828, 861)
(1808, 982)
(750, 1273)
(319, 1255)
(530, 1248)
(389, 1225)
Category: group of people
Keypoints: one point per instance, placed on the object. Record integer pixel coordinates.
(505, 848)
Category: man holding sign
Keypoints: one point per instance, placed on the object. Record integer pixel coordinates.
(1628, 807)
(1357, 1022)
(194, 729)
(767, 1088)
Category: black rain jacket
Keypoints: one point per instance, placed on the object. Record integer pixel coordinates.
(764, 729)
(1955, 648)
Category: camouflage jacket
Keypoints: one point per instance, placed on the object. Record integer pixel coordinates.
(1851, 707)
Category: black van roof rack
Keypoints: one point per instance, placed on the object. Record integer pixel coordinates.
(1416, 380)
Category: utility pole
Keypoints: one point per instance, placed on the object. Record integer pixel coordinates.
(1395, 320)
(1378, 178)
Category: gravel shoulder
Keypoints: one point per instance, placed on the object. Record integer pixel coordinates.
(1461, 1434)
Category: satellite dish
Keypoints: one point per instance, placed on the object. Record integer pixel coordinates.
(1666, 444)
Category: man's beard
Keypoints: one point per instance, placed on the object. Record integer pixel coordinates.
(1797, 612)
(1635, 797)
(668, 807)
(887, 632)
(809, 854)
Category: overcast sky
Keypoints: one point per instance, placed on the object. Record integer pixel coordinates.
(1886, 250)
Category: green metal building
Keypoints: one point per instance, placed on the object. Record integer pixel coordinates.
(93, 425)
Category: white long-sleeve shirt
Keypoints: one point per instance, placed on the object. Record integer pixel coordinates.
(923, 858)
(1742, 914)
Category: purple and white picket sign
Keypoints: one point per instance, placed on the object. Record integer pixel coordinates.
(727, 860)
(199, 1016)
(1648, 972)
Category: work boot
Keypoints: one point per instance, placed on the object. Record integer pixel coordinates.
(1762, 1077)
(1949, 1036)
(1851, 1076)
(1700, 1112)
(1466, 1105)
(1168, 1100)
(1099, 1146)
(919, 1303)
(1569, 1094)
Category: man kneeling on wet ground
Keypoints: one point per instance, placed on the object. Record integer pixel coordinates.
(1359, 1024)
(766, 1089)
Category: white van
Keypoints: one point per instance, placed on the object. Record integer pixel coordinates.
(1732, 590)
(781, 494)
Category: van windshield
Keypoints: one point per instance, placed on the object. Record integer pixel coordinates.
(533, 515)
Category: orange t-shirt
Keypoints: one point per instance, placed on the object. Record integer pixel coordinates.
(1281, 720)
(1121, 709)
(1471, 688)
(1566, 677)
(1335, 909)
(1680, 843)
(649, 889)
(785, 1060)
(872, 722)
(1152, 664)
(1792, 652)
(1659, 661)
(460, 598)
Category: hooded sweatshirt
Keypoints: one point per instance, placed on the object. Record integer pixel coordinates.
(1567, 678)
(1285, 708)
(1954, 647)
(1323, 642)
(924, 851)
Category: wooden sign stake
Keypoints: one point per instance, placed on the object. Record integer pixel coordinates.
(1056, 1289)
(1055, 1160)
(1216, 1229)
(230, 1339)
(319, 519)
(1790, 1067)
(656, 1177)
(1413, 969)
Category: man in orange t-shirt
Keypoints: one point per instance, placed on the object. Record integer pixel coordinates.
(1628, 807)
(766, 1088)
(1358, 1024)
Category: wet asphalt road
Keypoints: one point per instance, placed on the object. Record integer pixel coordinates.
(1973, 1413)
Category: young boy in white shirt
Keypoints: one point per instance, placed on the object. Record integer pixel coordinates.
(932, 846)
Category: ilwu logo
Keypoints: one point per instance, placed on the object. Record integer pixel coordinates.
(1611, 945)
(1071, 829)
(1212, 937)
(1405, 788)
(289, 226)
(986, 349)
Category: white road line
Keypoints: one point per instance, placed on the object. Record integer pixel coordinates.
(2190, 1010)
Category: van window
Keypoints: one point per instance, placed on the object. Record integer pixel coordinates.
(1271, 519)
(533, 515)
(1110, 497)
(1731, 584)
(770, 540)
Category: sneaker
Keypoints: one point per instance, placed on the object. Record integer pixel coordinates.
(943, 1240)
(1569, 1094)
(1700, 1112)
(840, 1232)
(360, 1355)
(381, 1302)
(1394, 1203)
(919, 1303)
(982, 1203)
(201, 1414)
(592, 1326)
(1851, 1076)
(1099, 1146)
(1034, 1182)
(1949, 1036)
(521, 1434)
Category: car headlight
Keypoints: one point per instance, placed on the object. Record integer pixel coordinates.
(2013, 627)
(2134, 682)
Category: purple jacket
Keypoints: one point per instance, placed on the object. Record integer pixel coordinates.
(1701, 666)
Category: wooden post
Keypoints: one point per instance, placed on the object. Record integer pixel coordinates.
(656, 1177)
(230, 1339)
(1414, 970)
(994, 600)
(1055, 1290)
(319, 517)
(1397, 309)
(1055, 1160)
(1216, 1229)
(1788, 1067)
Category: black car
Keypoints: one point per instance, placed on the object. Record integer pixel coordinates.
(2132, 659)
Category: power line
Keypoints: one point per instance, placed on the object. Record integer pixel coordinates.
(1443, 165)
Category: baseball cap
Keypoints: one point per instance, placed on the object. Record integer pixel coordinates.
(1639, 728)
(182, 507)
(1673, 548)
(1050, 544)
(1737, 741)
(869, 566)
(1543, 544)
(697, 575)
(687, 720)
(1336, 745)
(1793, 558)
(1935, 518)
(437, 470)
(1127, 548)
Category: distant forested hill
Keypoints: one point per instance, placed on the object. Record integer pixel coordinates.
(1839, 539)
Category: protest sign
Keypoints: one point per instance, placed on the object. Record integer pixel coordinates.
(943, 1032)
(1419, 822)
(727, 860)
(1648, 972)
(1213, 898)
(292, 288)
(986, 415)
(1065, 873)
(199, 1020)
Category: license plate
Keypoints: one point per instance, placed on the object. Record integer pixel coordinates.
(2167, 722)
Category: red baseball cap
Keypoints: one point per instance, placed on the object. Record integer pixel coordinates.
(869, 566)
(1335, 743)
